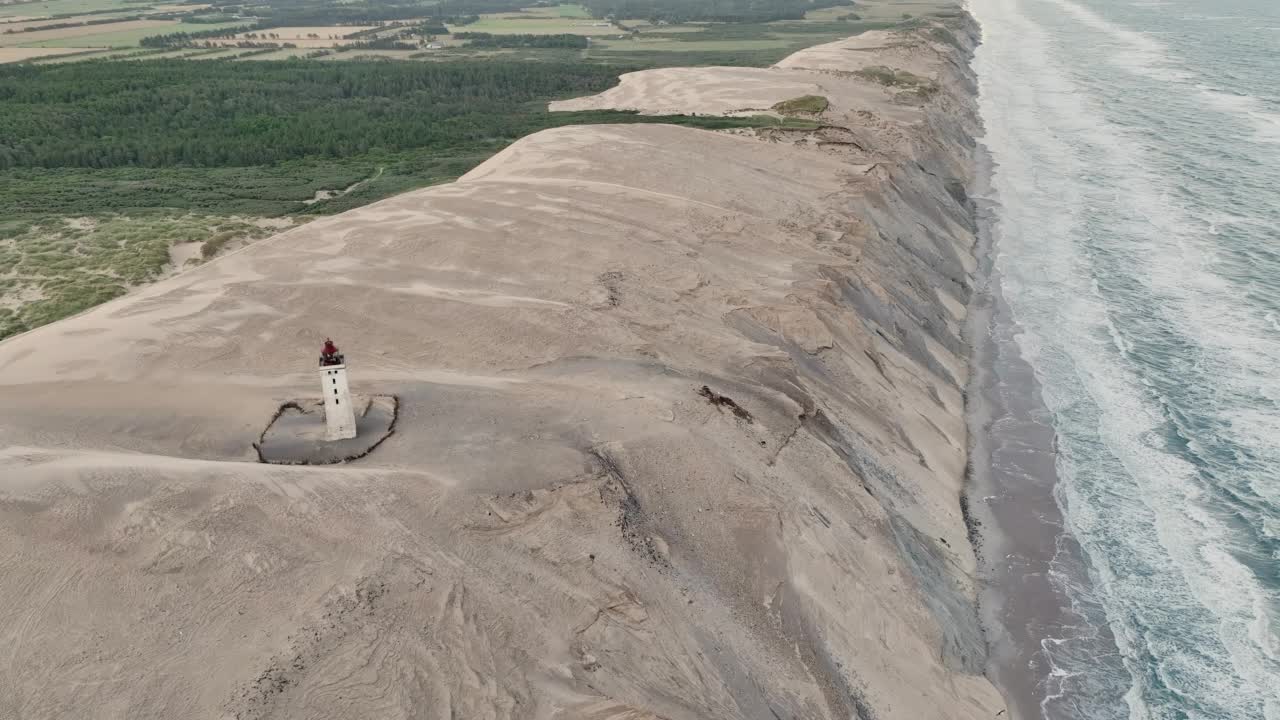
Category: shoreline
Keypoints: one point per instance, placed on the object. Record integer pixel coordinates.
(1027, 558)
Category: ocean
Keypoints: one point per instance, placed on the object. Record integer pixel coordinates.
(1134, 207)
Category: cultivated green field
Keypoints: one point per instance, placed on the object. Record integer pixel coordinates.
(123, 38)
(520, 24)
(66, 7)
(559, 11)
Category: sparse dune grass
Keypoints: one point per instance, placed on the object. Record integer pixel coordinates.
(811, 104)
(890, 77)
(58, 267)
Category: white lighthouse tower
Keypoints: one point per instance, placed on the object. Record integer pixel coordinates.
(339, 412)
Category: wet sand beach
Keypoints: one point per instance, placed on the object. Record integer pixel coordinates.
(1026, 555)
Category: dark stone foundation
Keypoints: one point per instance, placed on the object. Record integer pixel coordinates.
(295, 435)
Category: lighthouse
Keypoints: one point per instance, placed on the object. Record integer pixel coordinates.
(339, 412)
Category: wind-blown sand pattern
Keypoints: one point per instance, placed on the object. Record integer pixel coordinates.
(877, 47)
(680, 435)
(730, 91)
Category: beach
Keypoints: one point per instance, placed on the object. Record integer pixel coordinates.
(1026, 554)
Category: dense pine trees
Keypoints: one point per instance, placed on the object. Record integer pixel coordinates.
(489, 40)
(212, 114)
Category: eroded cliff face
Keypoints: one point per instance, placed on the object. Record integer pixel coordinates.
(680, 435)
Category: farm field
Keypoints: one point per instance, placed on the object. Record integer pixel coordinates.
(20, 54)
(304, 38)
(19, 47)
(560, 11)
(19, 26)
(538, 24)
(65, 7)
(80, 35)
(125, 37)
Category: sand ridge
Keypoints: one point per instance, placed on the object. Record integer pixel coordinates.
(564, 524)
(734, 91)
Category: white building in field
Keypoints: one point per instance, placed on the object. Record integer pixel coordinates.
(339, 411)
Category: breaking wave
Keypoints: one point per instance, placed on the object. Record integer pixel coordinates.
(1137, 180)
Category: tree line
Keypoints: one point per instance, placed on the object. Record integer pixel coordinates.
(179, 39)
(489, 40)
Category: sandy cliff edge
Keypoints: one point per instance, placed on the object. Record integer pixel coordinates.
(566, 524)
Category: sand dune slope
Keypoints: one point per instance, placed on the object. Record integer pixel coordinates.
(566, 524)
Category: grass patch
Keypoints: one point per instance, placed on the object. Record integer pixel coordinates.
(890, 77)
(813, 104)
(57, 268)
(945, 36)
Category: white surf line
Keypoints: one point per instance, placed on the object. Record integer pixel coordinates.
(1232, 333)
(1151, 58)
(1191, 537)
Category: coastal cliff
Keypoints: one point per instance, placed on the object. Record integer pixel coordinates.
(681, 434)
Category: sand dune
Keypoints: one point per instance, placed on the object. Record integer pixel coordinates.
(875, 48)
(733, 90)
(680, 436)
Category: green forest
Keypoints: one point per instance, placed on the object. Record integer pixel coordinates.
(164, 113)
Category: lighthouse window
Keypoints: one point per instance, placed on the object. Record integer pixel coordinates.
(335, 381)
(335, 391)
